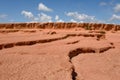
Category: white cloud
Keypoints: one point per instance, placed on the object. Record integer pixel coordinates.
(41, 17)
(58, 19)
(72, 20)
(103, 4)
(101, 21)
(35, 19)
(117, 8)
(44, 17)
(3, 16)
(77, 16)
(43, 7)
(115, 17)
(81, 21)
(27, 14)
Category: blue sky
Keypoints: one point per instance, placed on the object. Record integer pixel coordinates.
(100, 11)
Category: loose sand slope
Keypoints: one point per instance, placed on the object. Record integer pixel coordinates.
(49, 54)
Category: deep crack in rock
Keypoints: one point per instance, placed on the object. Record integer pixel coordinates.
(74, 74)
(74, 42)
(24, 43)
(78, 51)
(75, 53)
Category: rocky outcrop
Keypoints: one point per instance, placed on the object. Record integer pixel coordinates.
(61, 25)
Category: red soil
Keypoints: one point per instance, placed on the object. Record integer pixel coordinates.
(59, 51)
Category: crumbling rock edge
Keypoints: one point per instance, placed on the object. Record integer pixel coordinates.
(61, 25)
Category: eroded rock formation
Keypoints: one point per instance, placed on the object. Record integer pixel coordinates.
(60, 25)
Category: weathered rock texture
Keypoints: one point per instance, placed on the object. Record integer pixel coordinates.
(89, 26)
(59, 51)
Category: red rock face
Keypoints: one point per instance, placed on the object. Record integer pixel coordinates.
(60, 25)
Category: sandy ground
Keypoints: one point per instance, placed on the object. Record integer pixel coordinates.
(59, 55)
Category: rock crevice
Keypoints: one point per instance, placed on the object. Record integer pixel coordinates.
(33, 42)
(78, 51)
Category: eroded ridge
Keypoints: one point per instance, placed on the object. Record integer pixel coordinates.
(18, 30)
(8, 31)
(78, 51)
(74, 42)
(33, 42)
(61, 25)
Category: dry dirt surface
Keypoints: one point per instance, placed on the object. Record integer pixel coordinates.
(55, 54)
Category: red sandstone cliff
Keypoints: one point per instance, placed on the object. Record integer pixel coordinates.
(92, 26)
